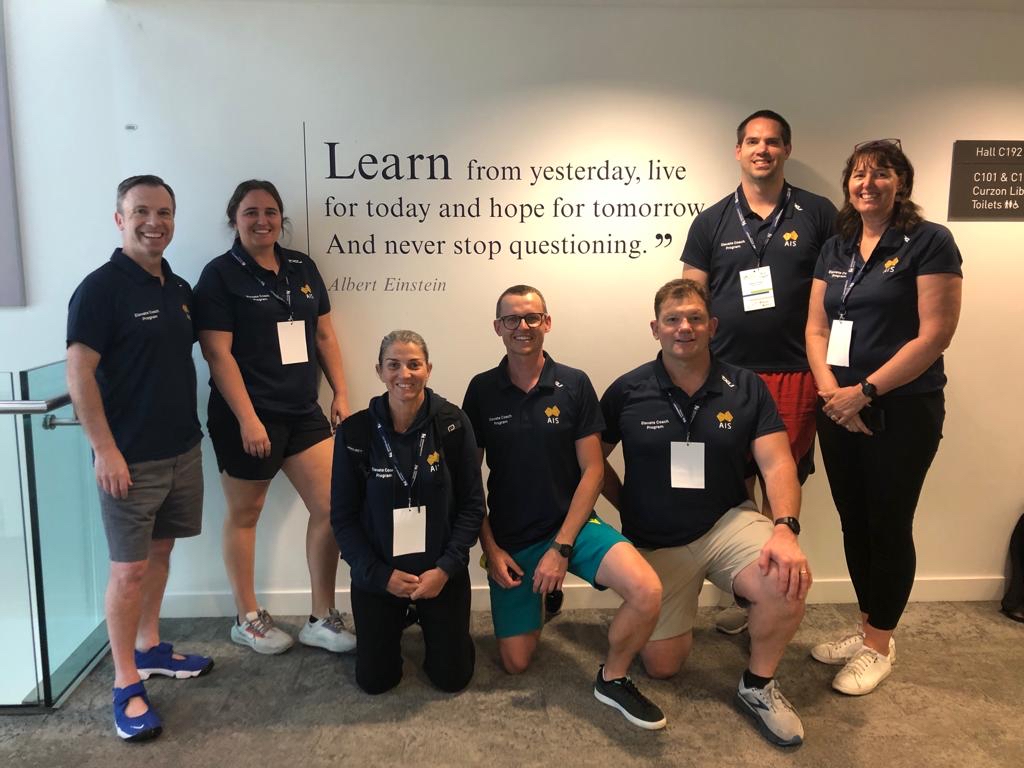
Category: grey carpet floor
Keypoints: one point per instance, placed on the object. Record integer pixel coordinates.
(954, 699)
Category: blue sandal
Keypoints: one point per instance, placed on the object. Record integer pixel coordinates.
(159, 660)
(145, 726)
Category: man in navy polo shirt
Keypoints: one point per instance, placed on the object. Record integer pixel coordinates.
(688, 424)
(755, 252)
(133, 385)
(539, 423)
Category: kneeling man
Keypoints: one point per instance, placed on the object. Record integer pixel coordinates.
(688, 424)
(539, 423)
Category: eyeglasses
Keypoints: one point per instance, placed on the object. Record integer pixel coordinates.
(532, 320)
(878, 144)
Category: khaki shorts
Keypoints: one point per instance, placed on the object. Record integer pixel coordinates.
(719, 555)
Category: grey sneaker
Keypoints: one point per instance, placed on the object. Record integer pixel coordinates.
(259, 632)
(845, 648)
(731, 620)
(622, 694)
(863, 672)
(328, 633)
(772, 713)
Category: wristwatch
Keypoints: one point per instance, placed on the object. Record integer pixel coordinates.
(870, 390)
(565, 550)
(790, 522)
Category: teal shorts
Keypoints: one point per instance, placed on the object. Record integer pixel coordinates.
(519, 610)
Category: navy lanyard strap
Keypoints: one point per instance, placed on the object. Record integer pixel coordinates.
(853, 276)
(394, 465)
(759, 252)
(682, 417)
(287, 300)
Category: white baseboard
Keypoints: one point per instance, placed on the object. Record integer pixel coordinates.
(292, 603)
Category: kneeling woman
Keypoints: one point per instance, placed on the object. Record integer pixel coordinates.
(406, 506)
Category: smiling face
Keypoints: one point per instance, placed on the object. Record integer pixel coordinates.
(872, 190)
(684, 328)
(258, 221)
(762, 154)
(523, 340)
(404, 370)
(146, 221)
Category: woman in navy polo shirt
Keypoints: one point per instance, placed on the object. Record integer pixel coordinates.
(884, 305)
(264, 323)
(407, 503)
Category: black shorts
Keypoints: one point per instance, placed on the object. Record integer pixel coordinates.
(289, 435)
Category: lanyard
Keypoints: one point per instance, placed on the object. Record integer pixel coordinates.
(287, 300)
(682, 417)
(853, 276)
(415, 464)
(759, 252)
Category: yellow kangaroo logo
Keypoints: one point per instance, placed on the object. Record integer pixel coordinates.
(892, 263)
(306, 290)
(552, 411)
(790, 236)
(724, 416)
(433, 458)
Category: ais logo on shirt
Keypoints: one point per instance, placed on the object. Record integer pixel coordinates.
(790, 238)
(307, 291)
(184, 308)
(890, 265)
(724, 419)
(434, 460)
(552, 413)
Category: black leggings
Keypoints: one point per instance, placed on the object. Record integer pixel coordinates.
(876, 482)
(380, 618)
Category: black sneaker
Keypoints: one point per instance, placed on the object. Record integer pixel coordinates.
(553, 603)
(622, 694)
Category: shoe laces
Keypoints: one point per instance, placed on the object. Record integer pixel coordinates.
(775, 699)
(864, 659)
(630, 687)
(262, 624)
(333, 622)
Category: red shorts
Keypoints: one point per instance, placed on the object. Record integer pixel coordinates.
(796, 397)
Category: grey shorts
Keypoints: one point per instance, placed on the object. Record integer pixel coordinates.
(165, 501)
(719, 555)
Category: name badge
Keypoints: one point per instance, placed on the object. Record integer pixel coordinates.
(291, 336)
(756, 285)
(687, 465)
(410, 534)
(839, 343)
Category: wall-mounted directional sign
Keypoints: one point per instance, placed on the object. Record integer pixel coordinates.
(987, 181)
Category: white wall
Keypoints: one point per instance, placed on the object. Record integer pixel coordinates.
(219, 92)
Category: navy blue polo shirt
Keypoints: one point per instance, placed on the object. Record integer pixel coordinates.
(530, 442)
(883, 302)
(766, 340)
(735, 408)
(240, 298)
(143, 333)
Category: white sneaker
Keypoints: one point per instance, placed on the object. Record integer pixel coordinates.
(863, 672)
(845, 648)
(328, 633)
(259, 632)
(774, 716)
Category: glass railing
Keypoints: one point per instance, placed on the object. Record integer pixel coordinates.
(67, 555)
(19, 659)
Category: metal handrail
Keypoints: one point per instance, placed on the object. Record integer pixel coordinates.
(34, 406)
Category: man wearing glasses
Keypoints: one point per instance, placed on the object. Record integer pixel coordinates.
(539, 423)
(754, 251)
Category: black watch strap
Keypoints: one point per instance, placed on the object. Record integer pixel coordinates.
(565, 550)
(790, 522)
(870, 390)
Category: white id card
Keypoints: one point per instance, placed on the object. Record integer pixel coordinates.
(756, 286)
(291, 336)
(687, 465)
(410, 536)
(839, 343)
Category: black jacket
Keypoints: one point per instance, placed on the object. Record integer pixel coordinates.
(365, 490)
